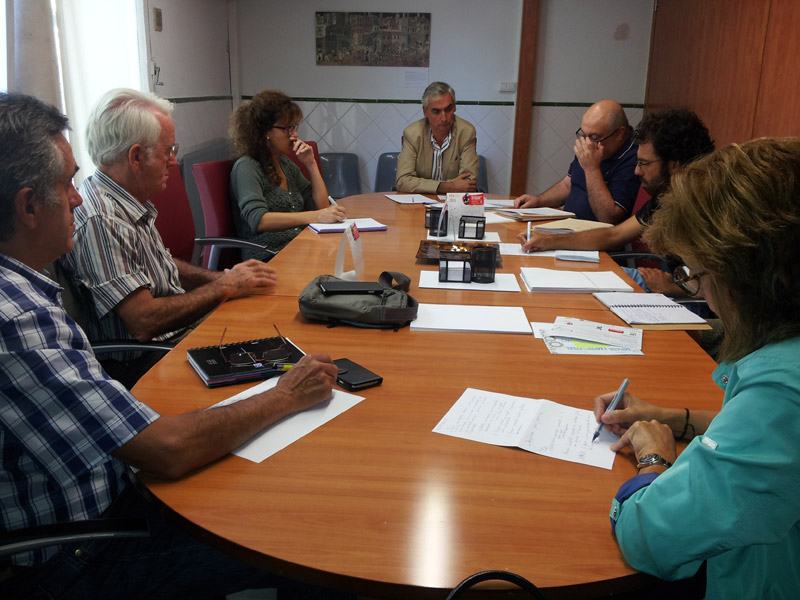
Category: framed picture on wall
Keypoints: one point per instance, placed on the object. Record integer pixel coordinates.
(373, 39)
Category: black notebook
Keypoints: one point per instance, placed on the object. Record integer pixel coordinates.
(238, 362)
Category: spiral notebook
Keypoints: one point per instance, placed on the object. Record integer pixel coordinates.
(238, 362)
(651, 311)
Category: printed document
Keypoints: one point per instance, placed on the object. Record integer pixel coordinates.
(538, 426)
(289, 429)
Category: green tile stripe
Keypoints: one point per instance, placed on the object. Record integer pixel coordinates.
(395, 101)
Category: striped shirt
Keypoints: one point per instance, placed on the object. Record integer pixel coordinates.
(438, 151)
(61, 417)
(117, 251)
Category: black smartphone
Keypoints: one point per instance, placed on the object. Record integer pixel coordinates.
(350, 287)
(352, 376)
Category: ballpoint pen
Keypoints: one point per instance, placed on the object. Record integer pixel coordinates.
(332, 201)
(617, 397)
(529, 231)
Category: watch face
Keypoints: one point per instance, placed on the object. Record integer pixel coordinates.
(654, 459)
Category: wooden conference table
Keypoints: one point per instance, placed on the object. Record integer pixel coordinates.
(375, 503)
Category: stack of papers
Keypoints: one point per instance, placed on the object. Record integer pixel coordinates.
(587, 282)
(540, 426)
(471, 318)
(503, 282)
(571, 226)
(652, 311)
(576, 336)
(362, 224)
(579, 255)
(535, 214)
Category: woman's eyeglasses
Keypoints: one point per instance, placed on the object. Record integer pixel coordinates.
(287, 129)
(686, 280)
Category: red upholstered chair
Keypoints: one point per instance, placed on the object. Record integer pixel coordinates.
(303, 169)
(174, 221)
(637, 254)
(213, 180)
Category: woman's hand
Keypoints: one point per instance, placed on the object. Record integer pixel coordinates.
(305, 154)
(649, 437)
(332, 214)
(631, 409)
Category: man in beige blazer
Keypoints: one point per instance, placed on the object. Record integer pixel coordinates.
(439, 154)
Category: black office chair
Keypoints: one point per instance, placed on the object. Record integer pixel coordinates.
(517, 580)
(386, 173)
(41, 536)
(340, 172)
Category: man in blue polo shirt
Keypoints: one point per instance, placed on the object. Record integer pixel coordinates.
(601, 184)
(68, 432)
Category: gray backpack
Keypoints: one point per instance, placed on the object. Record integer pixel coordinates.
(391, 308)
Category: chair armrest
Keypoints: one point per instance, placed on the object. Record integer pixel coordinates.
(41, 536)
(107, 346)
(216, 243)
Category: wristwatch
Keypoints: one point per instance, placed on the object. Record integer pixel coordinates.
(648, 460)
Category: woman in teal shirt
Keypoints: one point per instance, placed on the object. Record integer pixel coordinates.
(273, 200)
(732, 498)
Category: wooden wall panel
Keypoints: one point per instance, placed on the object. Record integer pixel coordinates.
(778, 111)
(707, 56)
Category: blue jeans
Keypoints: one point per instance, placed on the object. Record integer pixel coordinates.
(168, 564)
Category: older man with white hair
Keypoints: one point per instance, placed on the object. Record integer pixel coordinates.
(136, 289)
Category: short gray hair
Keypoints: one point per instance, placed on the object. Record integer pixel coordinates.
(122, 118)
(29, 157)
(435, 90)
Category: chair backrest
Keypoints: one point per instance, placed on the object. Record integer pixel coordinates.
(303, 169)
(483, 175)
(174, 222)
(386, 173)
(341, 175)
(213, 180)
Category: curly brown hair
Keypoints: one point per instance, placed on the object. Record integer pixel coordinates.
(254, 118)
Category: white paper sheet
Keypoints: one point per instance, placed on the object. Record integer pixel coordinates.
(362, 224)
(555, 281)
(579, 255)
(503, 282)
(492, 218)
(516, 250)
(471, 318)
(540, 426)
(289, 429)
(410, 199)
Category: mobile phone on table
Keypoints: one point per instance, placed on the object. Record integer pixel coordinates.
(352, 376)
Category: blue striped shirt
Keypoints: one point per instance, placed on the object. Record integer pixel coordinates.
(118, 250)
(61, 417)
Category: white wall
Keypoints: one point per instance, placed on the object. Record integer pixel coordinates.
(191, 50)
(474, 46)
(593, 49)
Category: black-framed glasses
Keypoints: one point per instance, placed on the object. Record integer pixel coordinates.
(686, 280)
(593, 137)
(287, 129)
(241, 357)
(644, 163)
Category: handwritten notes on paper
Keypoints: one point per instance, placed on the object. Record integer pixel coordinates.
(540, 426)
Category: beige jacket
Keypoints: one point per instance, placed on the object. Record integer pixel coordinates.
(416, 159)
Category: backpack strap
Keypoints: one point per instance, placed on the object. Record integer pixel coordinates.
(388, 277)
(517, 580)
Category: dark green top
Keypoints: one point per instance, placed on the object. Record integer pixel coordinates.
(253, 195)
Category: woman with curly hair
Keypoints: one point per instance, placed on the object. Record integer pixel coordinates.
(273, 200)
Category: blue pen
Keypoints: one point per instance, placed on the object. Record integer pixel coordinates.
(617, 397)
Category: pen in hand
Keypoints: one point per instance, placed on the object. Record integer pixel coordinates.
(612, 406)
(332, 201)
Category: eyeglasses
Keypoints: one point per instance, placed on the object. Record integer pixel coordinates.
(686, 280)
(287, 129)
(644, 163)
(593, 137)
(173, 150)
(243, 358)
